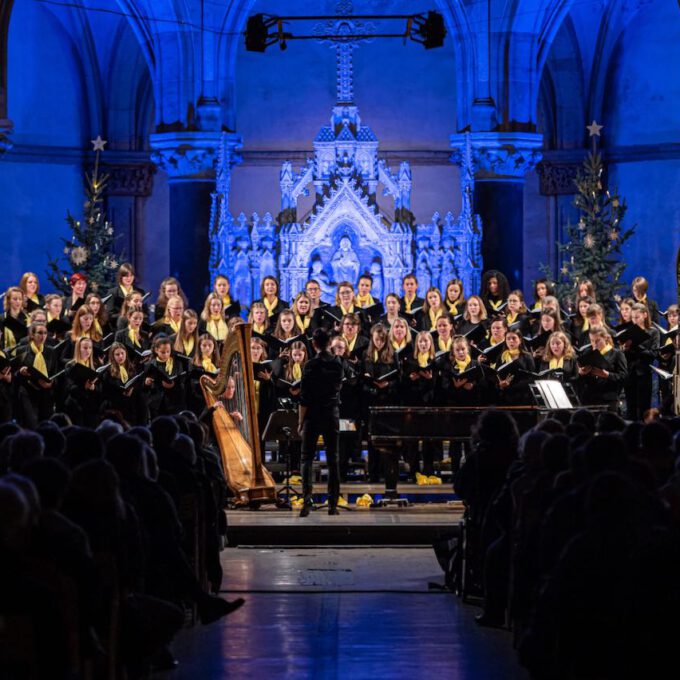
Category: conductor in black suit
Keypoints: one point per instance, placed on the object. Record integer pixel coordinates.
(319, 414)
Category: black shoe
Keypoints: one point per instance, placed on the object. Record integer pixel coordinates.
(306, 509)
(489, 621)
(213, 608)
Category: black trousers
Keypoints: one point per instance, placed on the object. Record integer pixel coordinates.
(327, 425)
(638, 389)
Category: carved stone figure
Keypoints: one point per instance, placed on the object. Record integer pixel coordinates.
(345, 263)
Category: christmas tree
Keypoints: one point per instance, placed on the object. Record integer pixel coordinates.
(90, 248)
(592, 249)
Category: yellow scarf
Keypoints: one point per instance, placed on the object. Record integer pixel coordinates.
(423, 359)
(434, 317)
(397, 346)
(188, 345)
(10, 340)
(462, 365)
(217, 327)
(606, 350)
(134, 337)
(97, 327)
(408, 303)
(509, 355)
(556, 363)
(347, 311)
(365, 300)
(375, 356)
(208, 365)
(39, 361)
(259, 329)
(168, 366)
(270, 305)
(34, 298)
(125, 291)
(669, 341)
(302, 324)
(175, 325)
(123, 373)
(493, 342)
(350, 344)
(2, 354)
(226, 301)
(297, 371)
(495, 305)
(538, 305)
(444, 346)
(511, 318)
(453, 307)
(585, 326)
(83, 362)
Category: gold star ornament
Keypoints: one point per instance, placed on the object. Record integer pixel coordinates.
(594, 129)
(98, 144)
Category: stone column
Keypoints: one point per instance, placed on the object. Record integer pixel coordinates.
(189, 159)
(501, 161)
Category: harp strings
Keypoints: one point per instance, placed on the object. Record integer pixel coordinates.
(238, 376)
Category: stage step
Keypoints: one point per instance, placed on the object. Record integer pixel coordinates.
(417, 524)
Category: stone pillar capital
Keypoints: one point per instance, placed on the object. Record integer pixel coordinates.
(192, 156)
(6, 127)
(499, 156)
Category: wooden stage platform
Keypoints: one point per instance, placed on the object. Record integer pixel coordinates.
(432, 512)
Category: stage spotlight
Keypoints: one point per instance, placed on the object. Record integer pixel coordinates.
(258, 37)
(430, 31)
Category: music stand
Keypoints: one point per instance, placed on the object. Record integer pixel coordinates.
(552, 395)
(282, 427)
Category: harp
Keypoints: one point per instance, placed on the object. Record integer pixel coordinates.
(239, 438)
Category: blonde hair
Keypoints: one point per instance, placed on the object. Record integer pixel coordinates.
(205, 313)
(482, 309)
(253, 307)
(568, 348)
(171, 299)
(8, 294)
(76, 350)
(416, 351)
(24, 280)
(399, 320)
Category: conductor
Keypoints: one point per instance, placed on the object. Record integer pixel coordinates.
(319, 414)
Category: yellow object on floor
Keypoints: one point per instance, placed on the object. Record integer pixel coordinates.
(342, 501)
(421, 480)
(433, 479)
(365, 501)
(297, 501)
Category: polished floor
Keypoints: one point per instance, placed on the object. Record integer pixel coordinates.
(342, 613)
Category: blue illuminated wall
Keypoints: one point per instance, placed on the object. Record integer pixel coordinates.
(549, 67)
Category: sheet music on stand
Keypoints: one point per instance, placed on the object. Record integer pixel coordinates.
(553, 394)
